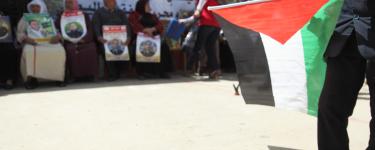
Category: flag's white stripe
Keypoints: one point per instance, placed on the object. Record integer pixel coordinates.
(287, 71)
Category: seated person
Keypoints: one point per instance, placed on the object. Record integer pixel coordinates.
(142, 21)
(82, 56)
(110, 15)
(40, 61)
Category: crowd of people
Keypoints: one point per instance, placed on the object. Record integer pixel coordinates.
(349, 55)
(60, 60)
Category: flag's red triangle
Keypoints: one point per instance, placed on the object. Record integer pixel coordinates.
(279, 19)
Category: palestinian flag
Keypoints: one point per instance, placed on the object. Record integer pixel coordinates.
(278, 47)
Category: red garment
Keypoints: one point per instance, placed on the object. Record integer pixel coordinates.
(207, 18)
(75, 6)
(136, 25)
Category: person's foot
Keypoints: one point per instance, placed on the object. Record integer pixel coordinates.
(214, 75)
(164, 76)
(60, 84)
(141, 77)
(148, 75)
(189, 73)
(30, 86)
(112, 78)
(8, 85)
(31, 83)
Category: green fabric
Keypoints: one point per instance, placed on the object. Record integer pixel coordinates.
(315, 37)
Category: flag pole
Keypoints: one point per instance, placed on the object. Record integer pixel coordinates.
(237, 4)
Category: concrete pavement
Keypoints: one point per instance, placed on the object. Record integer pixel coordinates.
(176, 114)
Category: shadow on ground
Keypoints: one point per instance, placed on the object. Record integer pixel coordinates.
(279, 148)
(176, 78)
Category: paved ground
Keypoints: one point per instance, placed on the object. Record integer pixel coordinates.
(177, 114)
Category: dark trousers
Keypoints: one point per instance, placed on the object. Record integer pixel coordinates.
(207, 37)
(115, 68)
(344, 78)
(9, 59)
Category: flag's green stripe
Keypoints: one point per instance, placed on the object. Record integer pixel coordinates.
(315, 37)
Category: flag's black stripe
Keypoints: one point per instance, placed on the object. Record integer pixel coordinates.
(251, 63)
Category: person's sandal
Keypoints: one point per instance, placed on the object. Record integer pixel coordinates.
(8, 85)
(214, 75)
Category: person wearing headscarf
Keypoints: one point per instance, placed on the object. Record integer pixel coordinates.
(9, 54)
(44, 61)
(110, 14)
(143, 21)
(82, 56)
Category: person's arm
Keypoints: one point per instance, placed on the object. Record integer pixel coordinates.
(135, 25)
(89, 35)
(21, 33)
(128, 29)
(97, 25)
(159, 26)
(58, 22)
(200, 5)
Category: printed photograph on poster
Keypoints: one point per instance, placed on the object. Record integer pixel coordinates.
(73, 26)
(40, 27)
(73, 29)
(148, 49)
(5, 30)
(115, 50)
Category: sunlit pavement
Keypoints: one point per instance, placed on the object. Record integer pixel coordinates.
(177, 114)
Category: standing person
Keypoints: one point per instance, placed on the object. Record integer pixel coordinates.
(40, 61)
(82, 56)
(9, 56)
(208, 34)
(142, 21)
(110, 15)
(350, 57)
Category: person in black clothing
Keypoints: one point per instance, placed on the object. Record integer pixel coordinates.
(350, 57)
(9, 54)
(111, 15)
(142, 21)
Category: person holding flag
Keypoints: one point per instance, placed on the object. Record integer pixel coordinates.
(208, 34)
(350, 57)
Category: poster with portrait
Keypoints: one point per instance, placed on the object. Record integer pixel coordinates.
(115, 50)
(40, 27)
(148, 49)
(5, 30)
(73, 26)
